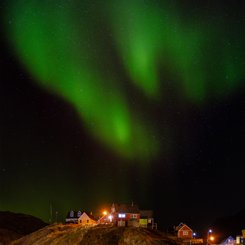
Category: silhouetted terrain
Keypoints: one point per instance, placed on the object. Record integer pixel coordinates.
(14, 226)
(229, 225)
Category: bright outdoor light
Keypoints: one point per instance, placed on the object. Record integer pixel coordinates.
(110, 218)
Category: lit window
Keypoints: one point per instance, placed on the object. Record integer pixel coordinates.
(185, 233)
(134, 216)
(121, 215)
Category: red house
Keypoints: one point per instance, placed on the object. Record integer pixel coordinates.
(122, 215)
(125, 214)
(184, 231)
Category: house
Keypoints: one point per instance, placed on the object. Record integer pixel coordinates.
(184, 231)
(146, 219)
(87, 219)
(122, 215)
(239, 240)
(229, 241)
(106, 219)
(73, 216)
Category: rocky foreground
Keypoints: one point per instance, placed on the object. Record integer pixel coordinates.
(60, 234)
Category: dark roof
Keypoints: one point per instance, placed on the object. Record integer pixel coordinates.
(76, 214)
(146, 214)
(127, 208)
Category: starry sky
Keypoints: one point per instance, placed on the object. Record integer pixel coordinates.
(123, 101)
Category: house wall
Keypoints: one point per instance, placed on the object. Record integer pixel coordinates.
(243, 236)
(84, 219)
(185, 233)
(71, 220)
(129, 220)
(128, 216)
(143, 222)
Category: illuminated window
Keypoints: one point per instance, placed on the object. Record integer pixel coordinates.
(71, 214)
(121, 215)
(134, 216)
(185, 233)
(79, 213)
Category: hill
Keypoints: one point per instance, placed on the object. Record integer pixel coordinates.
(97, 235)
(229, 225)
(15, 225)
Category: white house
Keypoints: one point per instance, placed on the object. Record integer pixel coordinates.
(87, 219)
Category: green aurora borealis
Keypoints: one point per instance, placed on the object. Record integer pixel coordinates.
(103, 58)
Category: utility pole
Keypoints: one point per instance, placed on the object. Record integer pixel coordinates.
(56, 217)
(50, 213)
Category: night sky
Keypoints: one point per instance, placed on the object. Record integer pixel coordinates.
(121, 101)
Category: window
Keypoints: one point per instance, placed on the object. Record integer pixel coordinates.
(71, 214)
(121, 215)
(79, 213)
(134, 216)
(185, 233)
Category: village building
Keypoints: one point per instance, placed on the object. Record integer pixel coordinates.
(125, 214)
(229, 241)
(87, 219)
(122, 215)
(73, 216)
(240, 239)
(184, 231)
(146, 219)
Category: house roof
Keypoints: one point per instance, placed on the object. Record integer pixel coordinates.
(126, 208)
(146, 214)
(89, 215)
(73, 214)
(181, 226)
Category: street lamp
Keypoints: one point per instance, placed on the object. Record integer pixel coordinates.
(209, 232)
(193, 237)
